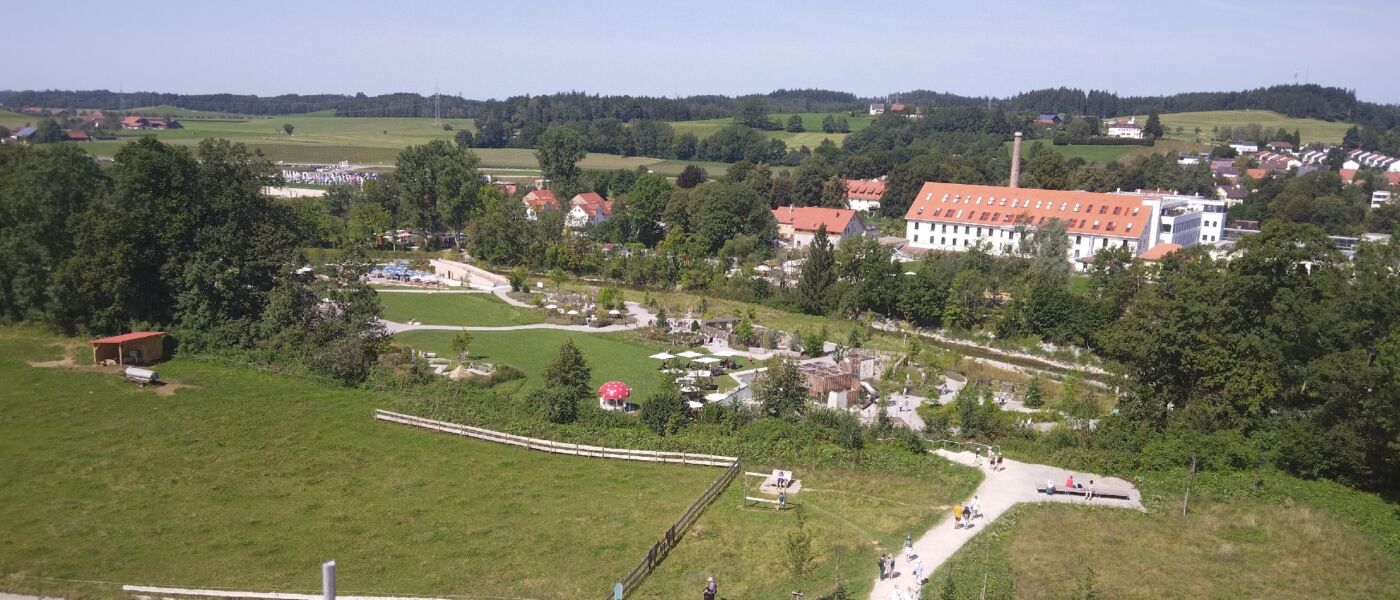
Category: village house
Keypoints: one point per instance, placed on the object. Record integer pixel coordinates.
(798, 225)
(1278, 146)
(588, 208)
(1125, 129)
(538, 201)
(1245, 147)
(1048, 120)
(877, 108)
(864, 194)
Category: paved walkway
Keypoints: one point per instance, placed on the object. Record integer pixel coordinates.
(1001, 490)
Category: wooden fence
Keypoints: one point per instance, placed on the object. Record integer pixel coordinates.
(684, 458)
(673, 535)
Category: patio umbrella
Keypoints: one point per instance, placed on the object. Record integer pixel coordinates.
(694, 405)
(707, 360)
(551, 306)
(715, 397)
(662, 356)
(728, 352)
(614, 312)
(690, 354)
(572, 312)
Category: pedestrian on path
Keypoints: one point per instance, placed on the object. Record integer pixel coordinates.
(975, 507)
(908, 546)
(881, 560)
(918, 572)
(711, 589)
(957, 516)
(890, 557)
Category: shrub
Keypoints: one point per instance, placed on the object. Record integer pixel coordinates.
(556, 404)
(665, 411)
(798, 550)
(909, 440)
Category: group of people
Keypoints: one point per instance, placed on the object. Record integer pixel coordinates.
(1089, 490)
(963, 514)
(334, 177)
(995, 460)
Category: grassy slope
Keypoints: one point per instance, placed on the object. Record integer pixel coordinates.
(250, 480)
(15, 120)
(455, 309)
(1297, 540)
(1312, 130)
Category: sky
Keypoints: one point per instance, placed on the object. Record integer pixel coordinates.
(497, 49)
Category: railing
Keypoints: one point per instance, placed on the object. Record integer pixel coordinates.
(663, 546)
(684, 458)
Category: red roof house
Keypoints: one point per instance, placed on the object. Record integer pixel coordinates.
(588, 207)
(864, 194)
(538, 201)
(798, 225)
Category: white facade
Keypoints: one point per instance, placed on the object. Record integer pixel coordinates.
(1245, 147)
(863, 205)
(1378, 198)
(1005, 239)
(1186, 220)
(1125, 130)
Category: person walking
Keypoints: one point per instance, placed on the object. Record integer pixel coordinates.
(957, 516)
(711, 589)
(1089, 493)
(908, 546)
(975, 507)
(881, 560)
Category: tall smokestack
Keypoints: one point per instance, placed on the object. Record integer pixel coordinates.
(1016, 161)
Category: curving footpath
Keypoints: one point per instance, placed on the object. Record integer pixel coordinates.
(1000, 490)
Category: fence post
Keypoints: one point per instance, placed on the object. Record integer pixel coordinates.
(328, 580)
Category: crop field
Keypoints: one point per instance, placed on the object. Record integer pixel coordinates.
(455, 309)
(1311, 130)
(249, 480)
(811, 138)
(14, 120)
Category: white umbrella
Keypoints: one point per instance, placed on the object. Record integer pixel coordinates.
(694, 405)
(707, 360)
(552, 306)
(715, 397)
(572, 312)
(662, 356)
(690, 354)
(614, 312)
(728, 352)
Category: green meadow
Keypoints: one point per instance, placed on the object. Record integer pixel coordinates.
(455, 309)
(1311, 130)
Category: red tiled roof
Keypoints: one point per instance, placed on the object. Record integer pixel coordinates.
(1393, 178)
(865, 189)
(811, 218)
(75, 135)
(1348, 175)
(1093, 213)
(593, 203)
(127, 337)
(132, 120)
(1159, 251)
(1256, 174)
(541, 199)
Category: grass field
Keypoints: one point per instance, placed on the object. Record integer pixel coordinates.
(1311, 130)
(811, 138)
(610, 355)
(1105, 154)
(166, 110)
(249, 480)
(455, 309)
(1297, 539)
(14, 120)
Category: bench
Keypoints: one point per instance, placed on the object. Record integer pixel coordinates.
(1099, 492)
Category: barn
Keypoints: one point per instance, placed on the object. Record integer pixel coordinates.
(135, 348)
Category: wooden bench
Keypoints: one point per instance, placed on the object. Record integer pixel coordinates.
(1099, 492)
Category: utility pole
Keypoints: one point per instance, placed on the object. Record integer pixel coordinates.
(1186, 501)
(328, 580)
(437, 105)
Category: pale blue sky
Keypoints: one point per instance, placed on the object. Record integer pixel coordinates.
(503, 48)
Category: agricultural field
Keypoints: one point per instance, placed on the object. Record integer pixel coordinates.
(1105, 154)
(455, 309)
(1311, 130)
(166, 110)
(14, 120)
(248, 480)
(1298, 539)
(811, 138)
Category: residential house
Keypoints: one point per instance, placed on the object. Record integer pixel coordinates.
(1048, 120)
(877, 108)
(1125, 129)
(1374, 160)
(538, 201)
(586, 209)
(24, 134)
(956, 217)
(135, 122)
(864, 194)
(1232, 195)
(798, 225)
(75, 136)
(1278, 146)
(1379, 198)
(1245, 147)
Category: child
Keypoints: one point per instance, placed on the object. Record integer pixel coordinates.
(957, 516)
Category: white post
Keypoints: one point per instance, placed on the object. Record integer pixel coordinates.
(328, 580)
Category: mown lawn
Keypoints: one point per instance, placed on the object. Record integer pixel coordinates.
(1306, 540)
(853, 516)
(811, 122)
(455, 309)
(611, 356)
(249, 480)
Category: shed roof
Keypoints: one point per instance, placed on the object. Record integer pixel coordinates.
(127, 337)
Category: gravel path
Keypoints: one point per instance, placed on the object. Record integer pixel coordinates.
(1018, 482)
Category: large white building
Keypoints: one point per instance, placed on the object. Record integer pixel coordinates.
(1125, 129)
(955, 217)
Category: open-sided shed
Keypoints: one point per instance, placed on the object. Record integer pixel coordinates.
(135, 348)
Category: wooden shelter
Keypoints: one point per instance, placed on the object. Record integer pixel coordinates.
(135, 348)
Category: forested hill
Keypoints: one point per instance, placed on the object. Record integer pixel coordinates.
(1315, 101)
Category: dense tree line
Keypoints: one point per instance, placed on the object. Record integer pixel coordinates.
(178, 239)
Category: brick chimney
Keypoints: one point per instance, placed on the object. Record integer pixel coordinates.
(1016, 161)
